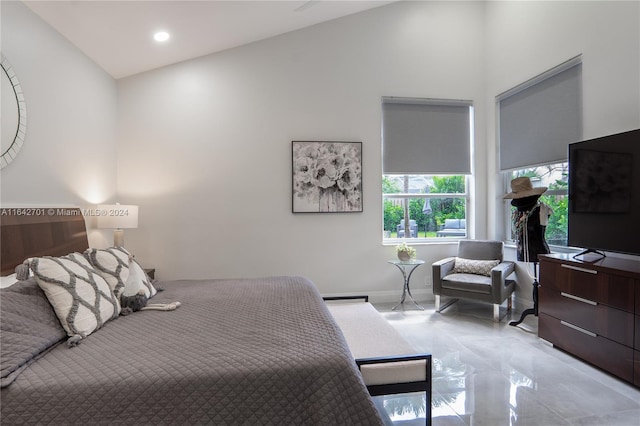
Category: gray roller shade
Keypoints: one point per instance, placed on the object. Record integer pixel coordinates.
(425, 136)
(539, 118)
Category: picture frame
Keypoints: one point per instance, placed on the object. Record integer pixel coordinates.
(326, 177)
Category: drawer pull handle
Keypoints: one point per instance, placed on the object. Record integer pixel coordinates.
(579, 299)
(581, 330)
(575, 268)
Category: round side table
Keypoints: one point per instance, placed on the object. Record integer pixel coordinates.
(407, 267)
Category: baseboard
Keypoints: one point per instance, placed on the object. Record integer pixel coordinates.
(423, 296)
(390, 296)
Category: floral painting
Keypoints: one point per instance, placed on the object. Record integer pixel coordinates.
(327, 177)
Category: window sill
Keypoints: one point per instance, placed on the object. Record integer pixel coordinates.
(420, 241)
(553, 248)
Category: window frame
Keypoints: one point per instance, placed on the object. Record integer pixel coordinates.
(397, 109)
(541, 108)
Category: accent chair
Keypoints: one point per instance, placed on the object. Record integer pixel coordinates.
(478, 272)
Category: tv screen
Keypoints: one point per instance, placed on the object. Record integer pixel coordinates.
(604, 193)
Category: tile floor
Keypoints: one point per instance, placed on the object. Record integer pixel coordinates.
(493, 374)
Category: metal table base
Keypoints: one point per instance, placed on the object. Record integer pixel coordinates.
(407, 268)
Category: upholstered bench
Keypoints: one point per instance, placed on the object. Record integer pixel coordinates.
(387, 362)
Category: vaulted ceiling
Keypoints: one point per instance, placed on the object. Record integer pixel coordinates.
(118, 35)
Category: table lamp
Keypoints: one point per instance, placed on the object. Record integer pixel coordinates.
(117, 217)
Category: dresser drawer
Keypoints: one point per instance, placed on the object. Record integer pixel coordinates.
(609, 289)
(602, 320)
(599, 351)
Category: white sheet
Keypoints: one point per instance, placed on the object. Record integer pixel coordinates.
(7, 281)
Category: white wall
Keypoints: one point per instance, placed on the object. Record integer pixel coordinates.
(205, 146)
(524, 39)
(69, 154)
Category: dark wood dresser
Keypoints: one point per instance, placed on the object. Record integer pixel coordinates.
(592, 310)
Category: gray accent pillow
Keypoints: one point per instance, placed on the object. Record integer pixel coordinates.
(28, 326)
(477, 267)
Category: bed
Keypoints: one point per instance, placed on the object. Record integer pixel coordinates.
(237, 351)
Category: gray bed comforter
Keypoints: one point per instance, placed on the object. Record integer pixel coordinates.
(236, 352)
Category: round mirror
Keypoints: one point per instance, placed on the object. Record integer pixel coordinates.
(14, 115)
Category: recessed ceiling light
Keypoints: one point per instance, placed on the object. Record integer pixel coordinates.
(161, 36)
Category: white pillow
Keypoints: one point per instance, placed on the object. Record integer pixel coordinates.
(112, 264)
(82, 299)
(138, 282)
(477, 267)
(7, 281)
(123, 276)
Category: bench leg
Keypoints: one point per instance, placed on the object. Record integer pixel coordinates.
(496, 312)
(437, 303)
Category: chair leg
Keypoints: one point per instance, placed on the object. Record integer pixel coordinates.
(496, 312)
(510, 302)
(441, 307)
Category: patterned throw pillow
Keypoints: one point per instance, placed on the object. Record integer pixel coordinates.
(122, 275)
(137, 283)
(477, 267)
(136, 271)
(82, 299)
(112, 264)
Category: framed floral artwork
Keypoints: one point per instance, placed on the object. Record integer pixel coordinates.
(327, 177)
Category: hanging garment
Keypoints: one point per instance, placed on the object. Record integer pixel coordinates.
(530, 226)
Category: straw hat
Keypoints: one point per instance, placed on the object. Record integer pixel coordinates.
(521, 187)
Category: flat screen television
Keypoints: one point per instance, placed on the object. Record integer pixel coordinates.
(604, 193)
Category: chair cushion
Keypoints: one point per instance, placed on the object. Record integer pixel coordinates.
(451, 224)
(467, 282)
(471, 266)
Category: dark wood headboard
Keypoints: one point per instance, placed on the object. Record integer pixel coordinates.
(31, 232)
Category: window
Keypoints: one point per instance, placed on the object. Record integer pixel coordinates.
(537, 120)
(428, 202)
(555, 178)
(426, 160)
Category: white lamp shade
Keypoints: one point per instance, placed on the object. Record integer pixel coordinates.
(117, 216)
